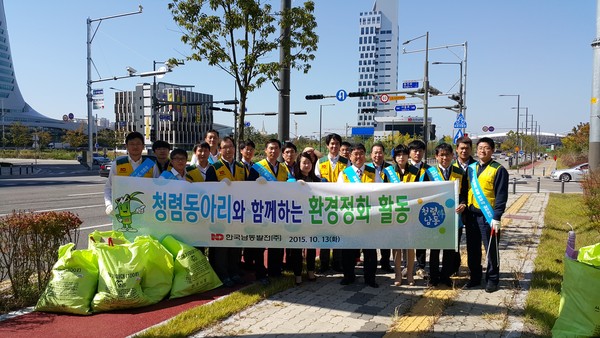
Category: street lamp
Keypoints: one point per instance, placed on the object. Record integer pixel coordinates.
(321, 124)
(518, 96)
(90, 38)
(425, 89)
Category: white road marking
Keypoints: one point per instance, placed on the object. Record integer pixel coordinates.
(89, 193)
(68, 208)
(96, 226)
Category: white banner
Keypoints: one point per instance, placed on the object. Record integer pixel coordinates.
(289, 215)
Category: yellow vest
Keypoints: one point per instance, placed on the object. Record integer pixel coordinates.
(282, 172)
(413, 173)
(456, 174)
(331, 174)
(193, 174)
(124, 168)
(486, 181)
(223, 172)
(368, 176)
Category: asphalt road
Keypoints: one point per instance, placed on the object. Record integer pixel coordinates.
(58, 187)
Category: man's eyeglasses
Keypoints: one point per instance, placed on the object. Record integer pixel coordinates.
(181, 159)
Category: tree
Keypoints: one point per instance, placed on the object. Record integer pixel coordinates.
(44, 138)
(107, 138)
(241, 39)
(19, 135)
(577, 141)
(76, 138)
(510, 143)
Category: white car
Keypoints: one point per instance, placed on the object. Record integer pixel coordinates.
(573, 174)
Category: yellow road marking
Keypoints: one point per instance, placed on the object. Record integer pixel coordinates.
(425, 312)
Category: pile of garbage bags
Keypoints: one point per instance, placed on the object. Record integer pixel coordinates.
(579, 312)
(114, 273)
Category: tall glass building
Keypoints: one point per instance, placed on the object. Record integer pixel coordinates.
(378, 59)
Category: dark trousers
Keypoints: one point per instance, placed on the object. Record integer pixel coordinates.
(421, 258)
(275, 261)
(448, 259)
(385, 257)
(226, 262)
(294, 260)
(349, 257)
(257, 257)
(478, 232)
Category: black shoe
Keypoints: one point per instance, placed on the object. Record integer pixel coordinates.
(228, 283)
(337, 268)
(491, 287)
(238, 280)
(446, 281)
(264, 281)
(347, 281)
(434, 281)
(473, 284)
(372, 284)
(387, 269)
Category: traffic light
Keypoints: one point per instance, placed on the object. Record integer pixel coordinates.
(369, 110)
(358, 94)
(457, 98)
(314, 97)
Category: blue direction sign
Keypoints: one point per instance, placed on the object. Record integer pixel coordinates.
(405, 107)
(458, 135)
(410, 84)
(460, 122)
(164, 117)
(247, 124)
(341, 95)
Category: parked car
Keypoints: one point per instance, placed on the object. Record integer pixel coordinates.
(105, 169)
(98, 159)
(573, 174)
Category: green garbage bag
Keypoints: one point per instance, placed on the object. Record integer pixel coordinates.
(73, 282)
(132, 274)
(193, 273)
(158, 279)
(590, 255)
(579, 311)
(117, 237)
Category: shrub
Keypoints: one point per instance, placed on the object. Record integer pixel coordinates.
(591, 194)
(29, 244)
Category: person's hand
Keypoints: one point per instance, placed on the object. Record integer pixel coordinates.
(302, 182)
(496, 225)
(109, 209)
(261, 180)
(226, 181)
(460, 208)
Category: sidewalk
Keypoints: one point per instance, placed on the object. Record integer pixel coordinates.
(328, 309)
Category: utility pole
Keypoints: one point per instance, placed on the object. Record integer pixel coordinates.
(594, 149)
(284, 75)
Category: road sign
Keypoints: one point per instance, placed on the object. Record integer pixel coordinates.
(491, 129)
(410, 84)
(405, 107)
(484, 128)
(247, 124)
(65, 118)
(71, 116)
(384, 98)
(397, 97)
(165, 117)
(460, 122)
(458, 135)
(341, 95)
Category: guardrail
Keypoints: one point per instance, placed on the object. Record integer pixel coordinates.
(16, 170)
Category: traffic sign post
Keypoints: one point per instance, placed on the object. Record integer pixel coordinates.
(410, 84)
(458, 135)
(384, 98)
(341, 95)
(405, 107)
(460, 122)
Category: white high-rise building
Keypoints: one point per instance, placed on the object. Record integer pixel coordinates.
(378, 59)
(13, 108)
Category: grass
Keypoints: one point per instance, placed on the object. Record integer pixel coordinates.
(541, 308)
(196, 319)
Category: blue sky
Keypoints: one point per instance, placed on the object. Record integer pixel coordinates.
(538, 49)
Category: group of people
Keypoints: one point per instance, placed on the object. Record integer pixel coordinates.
(482, 200)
